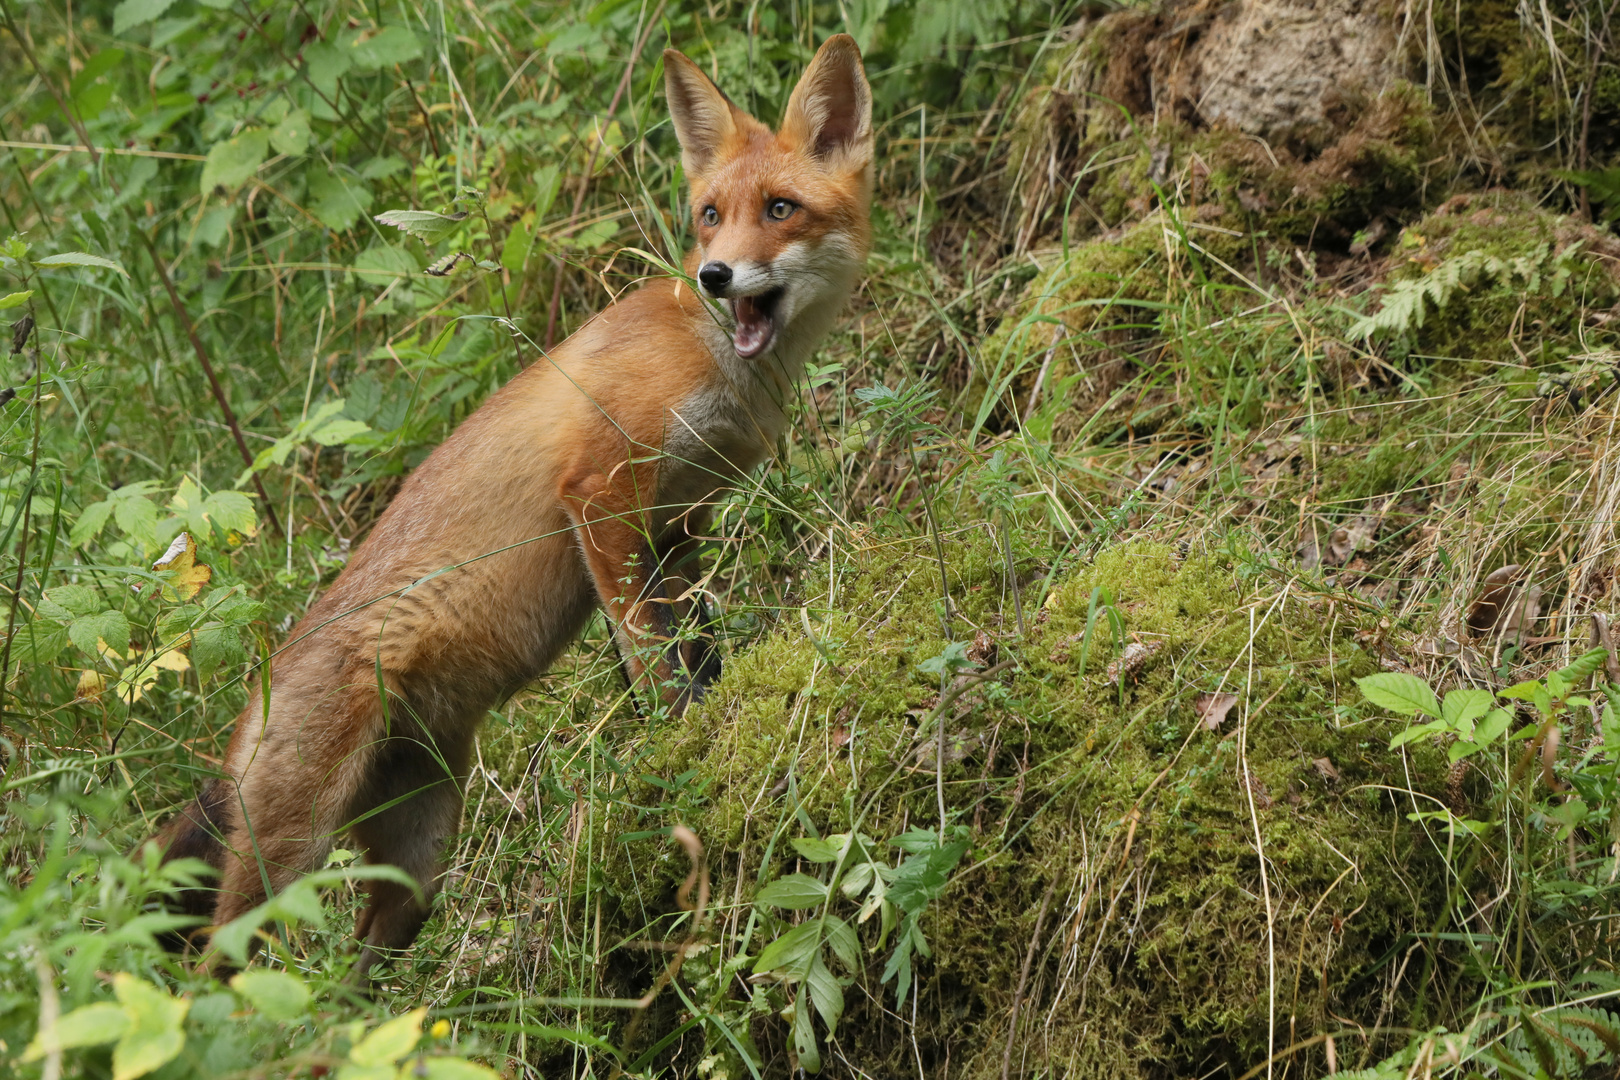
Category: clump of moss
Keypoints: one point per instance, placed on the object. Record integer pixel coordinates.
(1555, 300)
(1214, 880)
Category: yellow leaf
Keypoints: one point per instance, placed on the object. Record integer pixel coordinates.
(172, 660)
(186, 576)
(91, 684)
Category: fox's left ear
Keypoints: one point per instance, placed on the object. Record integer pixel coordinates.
(830, 112)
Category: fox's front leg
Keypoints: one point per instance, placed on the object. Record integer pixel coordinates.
(615, 539)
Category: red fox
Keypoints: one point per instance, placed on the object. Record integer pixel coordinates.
(583, 481)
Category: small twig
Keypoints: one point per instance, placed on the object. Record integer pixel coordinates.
(213, 380)
(590, 166)
(1023, 981)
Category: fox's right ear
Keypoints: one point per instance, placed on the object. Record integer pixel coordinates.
(702, 115)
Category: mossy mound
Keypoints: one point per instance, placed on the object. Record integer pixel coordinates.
(1545, 291)
(1210, 877)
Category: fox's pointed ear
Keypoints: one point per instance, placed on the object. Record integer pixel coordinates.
(830, 112)
(702, 115)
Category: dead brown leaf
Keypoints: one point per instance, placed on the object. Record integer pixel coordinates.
(1521, 616)
(1211, 709)
(1325, 768)
(1495, 593)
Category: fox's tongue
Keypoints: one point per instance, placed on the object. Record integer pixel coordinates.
(754, 328)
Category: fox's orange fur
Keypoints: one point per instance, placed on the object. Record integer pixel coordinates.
(582, 482)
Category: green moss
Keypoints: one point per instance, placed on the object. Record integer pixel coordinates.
(1535, 315)
(1162, 944)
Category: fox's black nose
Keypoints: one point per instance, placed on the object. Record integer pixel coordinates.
(715, 276)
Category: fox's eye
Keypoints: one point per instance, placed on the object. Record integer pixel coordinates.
(780, 209)
(711, 216)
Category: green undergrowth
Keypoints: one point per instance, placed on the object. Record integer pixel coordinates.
(1116, 803)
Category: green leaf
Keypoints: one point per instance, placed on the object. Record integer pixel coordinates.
(1521, 691)
(428, 226)
(791, 952)
(1462, 707)
(214, 648)
(339, 431)
(110, 626)
(922, 877)
(390, 45)
(1400, 693)
(825, 994)
(1417, 731)
(135, 12)
(337, 202)
(1585, 666)
(794, 892)
(16, 299)
(136, 515)
(231, 162)
(154, 1037)
(73, 600)
(41, 641)
(291, 136)
(90, 523)
(514, 253)
(79, 258)
(326, 63)
(1493, 727)
(391, 1041)
(843, 942)
(385, 265)
(804, 1036)
(231, 511)
(816, 850)
(90, 1025)
(277, 994)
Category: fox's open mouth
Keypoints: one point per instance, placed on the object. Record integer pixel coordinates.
(756, 322)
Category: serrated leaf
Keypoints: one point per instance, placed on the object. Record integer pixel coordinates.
(183, 575)
(100, 634)
(795, 892)
(231, 511)
(214, 648)
(80, 258)
(89, 1025)
(92, 519)
(74, 600)
(1400, 693)
(230, 163)
(391, 1041)
(16, 299)
(277, 994)
(424, 224)
(291, 136)
(136, 515)
(154, 1036)
(41, 641)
